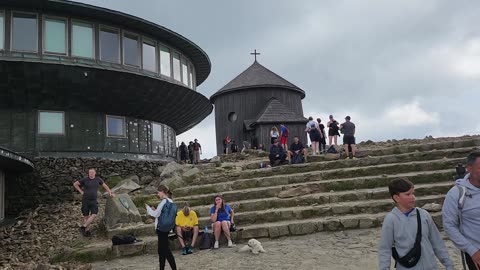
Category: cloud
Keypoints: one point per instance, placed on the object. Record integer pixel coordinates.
(410, 114)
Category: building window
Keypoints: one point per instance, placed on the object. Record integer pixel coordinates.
(157, 130)
(2, 31)
(130, 50)
(176, 67)
(55, 37)
(149, 56)
(24, 32)
(184, 71)
(116, 126)
(232, 117)
(190, 76)
(165, 61)
(51, 122)
(83, 44)
(109, 45)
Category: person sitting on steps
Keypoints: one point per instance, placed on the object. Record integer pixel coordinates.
(187, 229)
(297, 153)
(277, 153)
(221, 215)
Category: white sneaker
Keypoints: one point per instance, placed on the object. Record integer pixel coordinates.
(216, 246)
(230, 244)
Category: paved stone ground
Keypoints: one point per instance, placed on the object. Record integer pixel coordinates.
(356, 249)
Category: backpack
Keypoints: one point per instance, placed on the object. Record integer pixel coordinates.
(297, 159)
(285, 133)
(332, 150)
(207, 241)
(123, 239)
(166, 220)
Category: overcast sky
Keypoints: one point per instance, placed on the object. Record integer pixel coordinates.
(400, 69)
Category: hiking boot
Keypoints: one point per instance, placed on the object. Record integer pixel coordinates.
(216, 245)
(82, 230)
(190, 250)
(184, 251)
(230, 243)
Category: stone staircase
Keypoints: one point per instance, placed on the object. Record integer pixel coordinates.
(321, 195)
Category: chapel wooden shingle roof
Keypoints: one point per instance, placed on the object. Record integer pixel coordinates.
(277, 112)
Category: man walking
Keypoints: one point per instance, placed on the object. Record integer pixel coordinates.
(461, 213)
(197, 151)
(348, 130)
(88, 187)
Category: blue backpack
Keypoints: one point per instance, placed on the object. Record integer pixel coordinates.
(166, 220)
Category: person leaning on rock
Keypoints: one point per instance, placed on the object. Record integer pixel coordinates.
(88, 187)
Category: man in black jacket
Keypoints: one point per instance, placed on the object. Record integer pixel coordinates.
(277, 153)
(296, 149)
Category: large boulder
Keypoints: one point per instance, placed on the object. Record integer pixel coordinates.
(172, 175)
(120, 211)
(146, 179)
(125, 186)
(191, 173)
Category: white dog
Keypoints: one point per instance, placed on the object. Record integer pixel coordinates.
(254, 246)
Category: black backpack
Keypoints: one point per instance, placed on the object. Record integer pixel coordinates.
(332, 150)
(123, 239)
(413, 256)
(207, 241)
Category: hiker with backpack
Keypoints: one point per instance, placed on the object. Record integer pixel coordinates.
(221, 215)
(323, 140)
(313, 131)
(332, 130)
(409, 234)
(164, 215)
(461, 213)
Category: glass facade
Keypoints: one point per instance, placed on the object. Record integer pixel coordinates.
(83, 40)
(157, 132)
(65, 36)
(116, 126)
(176, 67)
(130, 50)
(2, 31)
(184, 71)
(149, 56)
(165, 61)
(24, 32)
(55, 39)
(109, 45)
(51, 123)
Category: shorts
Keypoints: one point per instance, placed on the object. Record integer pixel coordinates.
(348, 139)
(89, 207)
(283, 140)
(187, 234)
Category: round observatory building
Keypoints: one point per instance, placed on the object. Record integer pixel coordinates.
(83, 81)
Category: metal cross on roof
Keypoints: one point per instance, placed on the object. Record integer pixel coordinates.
(255, 54)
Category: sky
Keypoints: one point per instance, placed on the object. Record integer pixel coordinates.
(400, 69)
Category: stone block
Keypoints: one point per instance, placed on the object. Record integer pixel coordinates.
(331, 225)
(253, 233)
(349, 223)
(302, 228)
(366, 223)
(128, 250)
(278, 231)
(120, 211)
(125, 186)
(341, 209)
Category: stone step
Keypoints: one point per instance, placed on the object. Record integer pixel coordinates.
(276, 180)
(324, 198)
(345, 184)
(323, 210)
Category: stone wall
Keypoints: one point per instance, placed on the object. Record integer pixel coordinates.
(52, 180)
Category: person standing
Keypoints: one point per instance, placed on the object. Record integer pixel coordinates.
(197, 151)
(284, 136)
(332, 130)
(274, 134)
(314, 131)
(348, 129)
(190, 151)
(164, 252)
(323, 138)
(183, 152)
(226, 143)
(461, 213)
(234, 147)
(88, 187)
